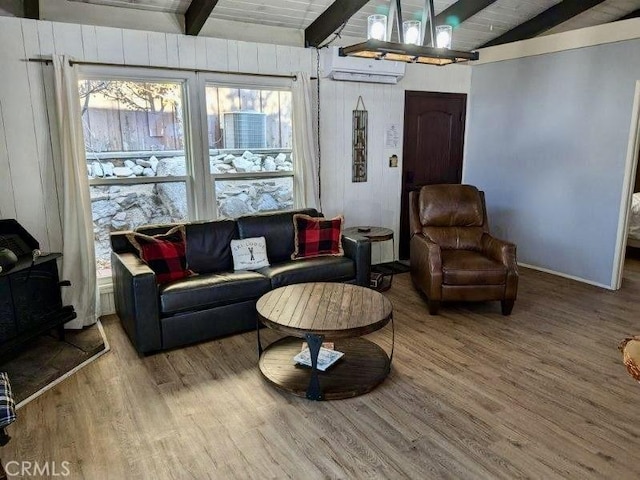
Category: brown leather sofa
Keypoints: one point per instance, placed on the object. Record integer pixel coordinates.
(453, 256)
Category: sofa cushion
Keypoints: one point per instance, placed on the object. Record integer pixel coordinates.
(320, 269)
(466, 267)
(317, 237)
(208, 246)
(277, 228)
(211, 290)
(164, 253)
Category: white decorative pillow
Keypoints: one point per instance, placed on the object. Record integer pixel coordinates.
(249, 253)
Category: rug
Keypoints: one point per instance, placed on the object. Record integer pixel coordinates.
(390, 267)
(47, 361)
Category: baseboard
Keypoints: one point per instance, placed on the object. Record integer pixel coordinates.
(565, 275)
(107, 299)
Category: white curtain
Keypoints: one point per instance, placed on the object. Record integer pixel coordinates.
(78, 261)
(305, 160)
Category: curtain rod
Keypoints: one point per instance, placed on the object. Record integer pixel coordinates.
(196, 70)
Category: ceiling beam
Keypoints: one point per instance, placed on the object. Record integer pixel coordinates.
(634, 14)
(460, 11)
(559, 13)
(330, 20)
(197, 14)
(31, 9)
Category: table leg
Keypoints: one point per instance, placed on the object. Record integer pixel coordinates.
(393, 341)
(258, 335)
(393, 256)
(314, 342)
(60, 332)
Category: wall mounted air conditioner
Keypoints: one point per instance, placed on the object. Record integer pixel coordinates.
(352, 69)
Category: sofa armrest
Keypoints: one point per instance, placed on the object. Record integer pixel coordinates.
(136, 298)
(120, 242)
(426, 266)
(505, 253)
(358, 249)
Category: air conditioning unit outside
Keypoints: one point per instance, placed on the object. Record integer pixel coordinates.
(353, 69)
(245, 129)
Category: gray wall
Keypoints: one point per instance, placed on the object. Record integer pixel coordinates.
(547, 141)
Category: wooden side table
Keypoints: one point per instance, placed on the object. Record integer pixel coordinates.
(376, 234)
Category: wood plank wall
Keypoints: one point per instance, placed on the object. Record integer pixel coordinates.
(376, 201)
(30, 186)
(30, 189)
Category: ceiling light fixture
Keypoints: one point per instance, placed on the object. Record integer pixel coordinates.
(411, 39)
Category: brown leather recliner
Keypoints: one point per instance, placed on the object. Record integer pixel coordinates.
(453, 256)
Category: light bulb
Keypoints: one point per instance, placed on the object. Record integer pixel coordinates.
(443, 39)
(443, 36)
(412, 35)
(377, 31)
(377, 27)
(411, 30)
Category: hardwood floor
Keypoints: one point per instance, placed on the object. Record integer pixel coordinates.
(472, 394)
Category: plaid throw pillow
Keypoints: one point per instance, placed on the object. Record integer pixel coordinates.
(165, 254)
(317, 237)
(7, 403)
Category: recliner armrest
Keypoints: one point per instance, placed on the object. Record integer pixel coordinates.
(499, 250)
(358, 249)
(427, 253)
(136, 298)
(426, 266)
(505, 253)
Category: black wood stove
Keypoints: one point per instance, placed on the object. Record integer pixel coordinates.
(30, 296)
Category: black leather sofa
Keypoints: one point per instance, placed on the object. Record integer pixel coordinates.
(218, 301)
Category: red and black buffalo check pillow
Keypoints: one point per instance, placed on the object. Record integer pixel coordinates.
(165, 254)
(316, 237)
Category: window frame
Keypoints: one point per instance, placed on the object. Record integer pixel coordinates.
(199, 180)
(250, 82)
(192, 144)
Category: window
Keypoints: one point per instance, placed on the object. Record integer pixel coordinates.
(146, 141)
(250, 141)
(136, 159)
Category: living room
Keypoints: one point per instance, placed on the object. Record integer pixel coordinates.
(549, 134)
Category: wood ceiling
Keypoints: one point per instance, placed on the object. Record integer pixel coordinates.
(486, 22)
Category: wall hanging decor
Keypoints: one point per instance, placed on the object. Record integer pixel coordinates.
(359, 172)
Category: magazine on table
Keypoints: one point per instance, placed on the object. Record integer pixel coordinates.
(327, 356)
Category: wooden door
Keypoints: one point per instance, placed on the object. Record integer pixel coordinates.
(433, 147)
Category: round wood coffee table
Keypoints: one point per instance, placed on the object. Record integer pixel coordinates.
(317, 312)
